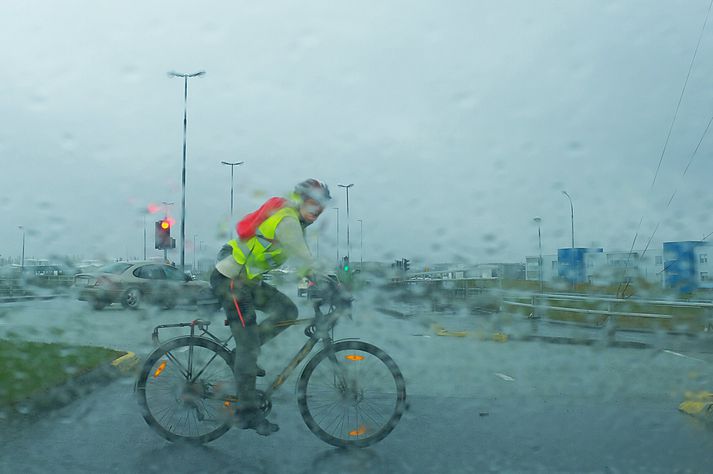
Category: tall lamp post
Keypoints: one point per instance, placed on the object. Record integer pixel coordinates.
(361, 244)
(572, 273)
(144, 236)
(538, 220)
(571, 208)
(22, 261)
(195, 268)
(346, 188)
(337, 209)
(183, 174)
(232, 165)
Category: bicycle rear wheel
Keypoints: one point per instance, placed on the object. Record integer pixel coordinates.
(184, 389)
(351, 395)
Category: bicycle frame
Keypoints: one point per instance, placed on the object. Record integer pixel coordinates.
(296, 360)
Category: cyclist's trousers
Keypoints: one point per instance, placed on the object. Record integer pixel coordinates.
(240, 300)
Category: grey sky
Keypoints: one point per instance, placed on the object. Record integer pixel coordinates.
(458, 122)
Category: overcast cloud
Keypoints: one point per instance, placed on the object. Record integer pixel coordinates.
(457, 122)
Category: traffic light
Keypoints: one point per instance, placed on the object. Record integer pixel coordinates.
(163, 235)
(405, 264)
(345, 264)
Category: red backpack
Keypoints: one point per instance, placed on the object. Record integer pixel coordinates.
(247, 227)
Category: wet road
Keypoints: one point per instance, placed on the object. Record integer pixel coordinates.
(476, 405)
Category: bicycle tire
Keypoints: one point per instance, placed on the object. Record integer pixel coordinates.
(354, 429)
(162, 376)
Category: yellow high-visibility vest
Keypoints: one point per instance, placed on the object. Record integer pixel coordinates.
(259, 254)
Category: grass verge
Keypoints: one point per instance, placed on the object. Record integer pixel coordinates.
(30, 368)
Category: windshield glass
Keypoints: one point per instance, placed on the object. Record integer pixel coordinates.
(514, 197)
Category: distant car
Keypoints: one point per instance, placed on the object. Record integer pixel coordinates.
(303, 287)
(132, 283)
(44, 270)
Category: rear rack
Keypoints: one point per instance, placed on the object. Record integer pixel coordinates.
(201, 324)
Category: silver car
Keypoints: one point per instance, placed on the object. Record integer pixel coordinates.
(133, 283)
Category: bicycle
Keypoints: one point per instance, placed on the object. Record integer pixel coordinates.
(350, 393)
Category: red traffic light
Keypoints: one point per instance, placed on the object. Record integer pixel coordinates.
(163, 235)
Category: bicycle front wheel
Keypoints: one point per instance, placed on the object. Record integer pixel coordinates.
(351, 394)
(184, 389)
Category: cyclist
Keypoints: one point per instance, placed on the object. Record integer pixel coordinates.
(266, 239)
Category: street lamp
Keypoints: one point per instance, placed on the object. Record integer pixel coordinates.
(195, 268)
(572, 272)
(144, 236)
(346, 188)
(183, 174)
(22, 262)
(538, 220)
(337, 209)
(361, 244)
(571, 208)
(232, 165)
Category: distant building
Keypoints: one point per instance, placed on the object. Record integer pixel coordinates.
(594, 265)
(507, 271)
(549, 268)
(572, 263)
(686, 265)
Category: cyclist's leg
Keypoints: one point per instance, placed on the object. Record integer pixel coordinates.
(279, 309)
(236, 300)
(238, 303)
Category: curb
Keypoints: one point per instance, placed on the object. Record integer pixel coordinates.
(14, 299)
(481, 335)
(503, 337)
(126, 363)
(698, 404)
(38, 405)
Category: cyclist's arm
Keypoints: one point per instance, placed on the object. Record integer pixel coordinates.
(291, 236)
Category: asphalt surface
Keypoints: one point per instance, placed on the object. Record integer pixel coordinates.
(476, 404)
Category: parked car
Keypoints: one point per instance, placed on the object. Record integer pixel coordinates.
(133, 283)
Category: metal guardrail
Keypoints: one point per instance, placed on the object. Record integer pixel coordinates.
(607, 299)
(590, 311)
(613, 319)
(34, 287)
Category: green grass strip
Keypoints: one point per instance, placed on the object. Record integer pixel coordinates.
(28, 368)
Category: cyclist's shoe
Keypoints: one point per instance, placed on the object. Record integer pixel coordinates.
(265, 427)
(255, 420)
(260, 372)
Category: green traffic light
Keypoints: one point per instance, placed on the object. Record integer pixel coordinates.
(346, 268)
